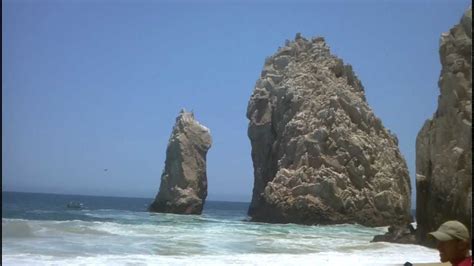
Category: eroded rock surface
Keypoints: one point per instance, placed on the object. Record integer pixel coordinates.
(397, 234)
(183, 188)
(320, 155)
(443, 146)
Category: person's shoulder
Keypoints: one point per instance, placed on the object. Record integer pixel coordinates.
(466, 262)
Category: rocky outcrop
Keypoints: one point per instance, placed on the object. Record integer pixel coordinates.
(320, 155)
(443, 145)
(183, 187)
(397, 234)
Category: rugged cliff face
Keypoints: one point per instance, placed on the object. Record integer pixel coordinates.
(320, 155)
(183, 188)
(443, 146)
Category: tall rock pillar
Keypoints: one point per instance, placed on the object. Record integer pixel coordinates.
(320, 155)
(183, 188)
(443, 145)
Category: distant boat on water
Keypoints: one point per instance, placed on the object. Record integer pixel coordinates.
(75, 205)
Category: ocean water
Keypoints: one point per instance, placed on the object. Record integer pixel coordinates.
(38, 229)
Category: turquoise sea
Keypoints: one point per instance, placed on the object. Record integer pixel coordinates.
(38, 229)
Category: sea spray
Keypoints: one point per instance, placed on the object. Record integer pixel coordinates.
(220, 236)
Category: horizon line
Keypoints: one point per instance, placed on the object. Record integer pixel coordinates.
(105, 196)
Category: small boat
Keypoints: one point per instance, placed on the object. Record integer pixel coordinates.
(75, 205)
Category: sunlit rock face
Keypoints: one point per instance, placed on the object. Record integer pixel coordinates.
(443, 145)
(320, 155)
(183, 188)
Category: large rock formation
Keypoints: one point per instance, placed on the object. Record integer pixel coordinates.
(183, 188)
(320, 155)
(443, 146)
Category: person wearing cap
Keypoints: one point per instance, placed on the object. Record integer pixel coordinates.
(453, 243)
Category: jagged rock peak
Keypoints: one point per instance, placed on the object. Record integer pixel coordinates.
(444, 144)
(183, 114)
(185, 118)
(183, 188)
(304, 53)
(320, 155)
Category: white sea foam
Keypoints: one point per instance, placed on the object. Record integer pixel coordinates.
(166, 239)
(324, 258)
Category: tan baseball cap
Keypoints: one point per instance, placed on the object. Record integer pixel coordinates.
(451, 230)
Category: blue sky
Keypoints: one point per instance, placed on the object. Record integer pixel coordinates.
(89, 85)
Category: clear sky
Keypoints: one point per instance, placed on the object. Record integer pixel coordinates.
(96, 84)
